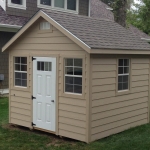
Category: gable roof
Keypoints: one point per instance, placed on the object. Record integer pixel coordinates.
(10, 20)
(89, 33)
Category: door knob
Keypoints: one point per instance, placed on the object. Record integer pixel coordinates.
(52, 101)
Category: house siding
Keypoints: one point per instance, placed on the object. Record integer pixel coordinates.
(4, 37)
(113, 112)
(32, 9)
(71, 111)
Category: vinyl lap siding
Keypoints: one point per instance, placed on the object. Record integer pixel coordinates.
(113, 113)
(71, 111)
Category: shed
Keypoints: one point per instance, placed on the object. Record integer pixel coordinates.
(77, 77)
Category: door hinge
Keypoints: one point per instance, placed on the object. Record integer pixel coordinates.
(33, 124)
(33, 58)
(33, 97)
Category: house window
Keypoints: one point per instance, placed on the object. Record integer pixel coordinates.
(19, 4)
(63, 5)
(20, 71)
(123, 74)
(73, 76)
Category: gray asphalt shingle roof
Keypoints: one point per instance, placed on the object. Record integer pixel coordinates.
(98, 33)
(11, 20)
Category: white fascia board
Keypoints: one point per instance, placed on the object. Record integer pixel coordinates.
(145, 39)
(10, 26)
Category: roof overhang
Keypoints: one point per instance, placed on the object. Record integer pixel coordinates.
(146, 39)
(54, 23)
(9, 28)
(120, 51)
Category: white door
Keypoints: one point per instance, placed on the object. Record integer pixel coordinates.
(44, 92)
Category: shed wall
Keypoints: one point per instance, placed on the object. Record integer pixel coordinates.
(71, 110)
(113, 112)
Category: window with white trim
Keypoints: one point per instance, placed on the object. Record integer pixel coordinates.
(20, 4)
(73, 75)
(123, 74)
(63, 5)
(20, 71)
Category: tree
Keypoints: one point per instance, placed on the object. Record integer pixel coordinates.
(140, 17)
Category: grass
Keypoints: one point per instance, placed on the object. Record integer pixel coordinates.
(17, 138)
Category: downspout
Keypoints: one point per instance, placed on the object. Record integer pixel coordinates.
(89, 13)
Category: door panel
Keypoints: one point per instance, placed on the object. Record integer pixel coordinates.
(44, 91)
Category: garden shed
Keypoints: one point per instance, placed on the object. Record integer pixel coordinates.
(77, 77)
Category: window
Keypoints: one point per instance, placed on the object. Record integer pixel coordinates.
(63, 5)
(20, 71)
(44, 26)
(44, 66)
(20, 4)
(73, 76)
(123, 74)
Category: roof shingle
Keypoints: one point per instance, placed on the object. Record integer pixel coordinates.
(98, 33)
(11, 20)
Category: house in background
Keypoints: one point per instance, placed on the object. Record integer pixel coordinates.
(98, 9)
(15, 13)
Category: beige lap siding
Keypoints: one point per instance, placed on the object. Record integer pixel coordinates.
(71, 111)
(113, 113)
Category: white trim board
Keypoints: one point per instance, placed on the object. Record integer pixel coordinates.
(4, 91)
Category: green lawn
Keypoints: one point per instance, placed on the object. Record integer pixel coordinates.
(17, 138)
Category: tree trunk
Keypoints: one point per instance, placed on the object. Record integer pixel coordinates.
(120, 7)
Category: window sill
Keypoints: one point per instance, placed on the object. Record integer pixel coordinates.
(17, 6)
(73, 95)
(56, 8)
(123, 92)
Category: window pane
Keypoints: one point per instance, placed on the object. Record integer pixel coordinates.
(17, 2)
(38, 65)
(71, 4)
(125, 86)
(120, 70)
(24, 83)
(17, 67)
(17, 60)
(24, 60)
(77, 89)
(78, 62)
(69, 88)
(69, 80)
(50, 66)
(120, 62)
(126, 62)
(23, 67)
(120, 79)
(120, 87)
(46, 2)
(126, 69)
(77, 71)
(125, 78)
(68, 62)
(59, 3)
(77, 80)
(69, 70)
(42, 66)
(17, 75)
(46, 66)
(24, 76)
(18, 82)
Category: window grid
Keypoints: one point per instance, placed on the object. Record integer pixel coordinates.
(20, 71)
(123, 74)
(76, 80)
(73, 9)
